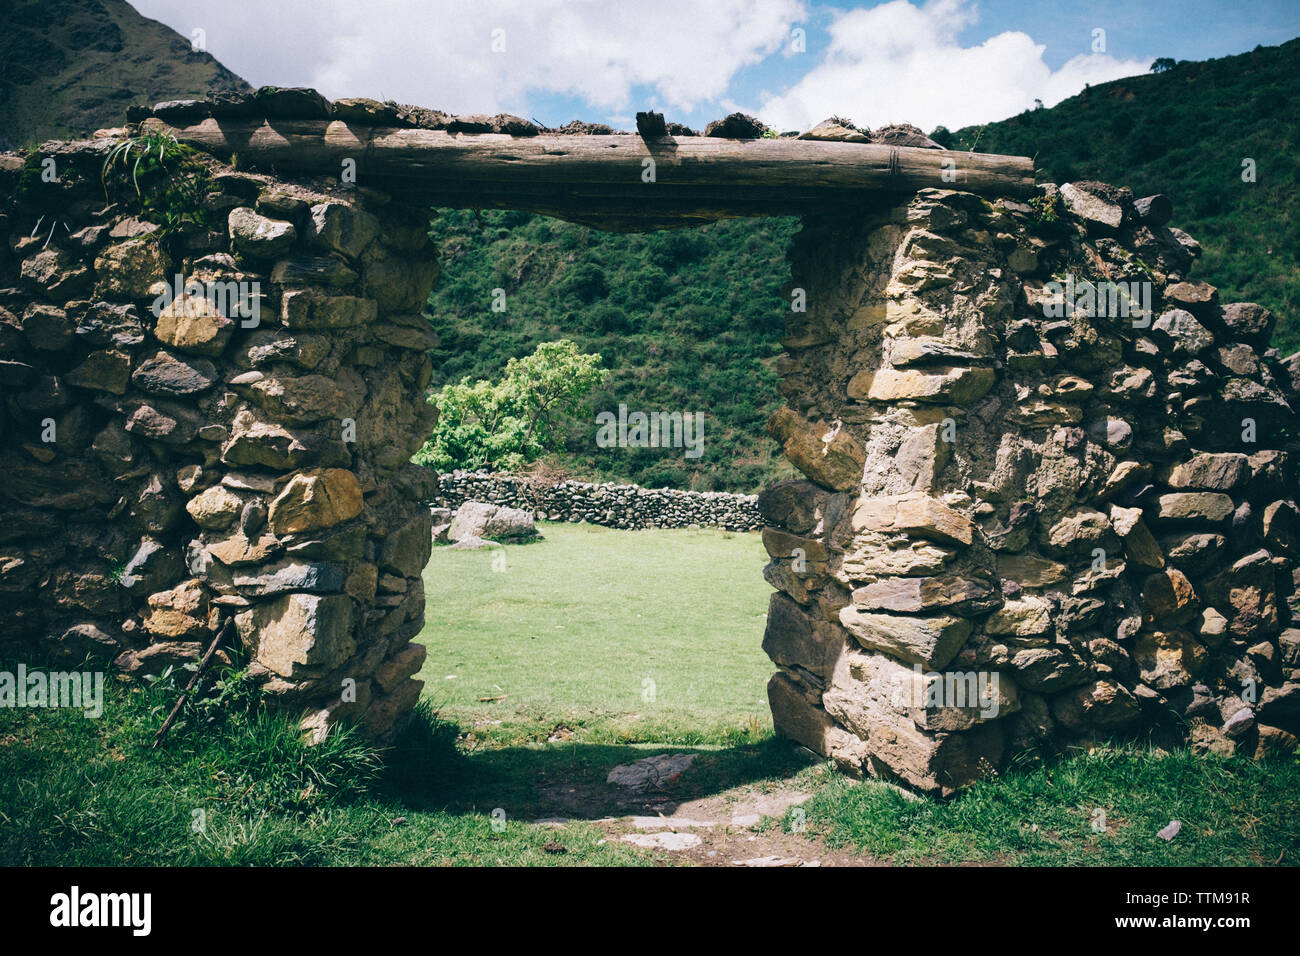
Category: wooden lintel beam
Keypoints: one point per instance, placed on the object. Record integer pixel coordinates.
(729, 177)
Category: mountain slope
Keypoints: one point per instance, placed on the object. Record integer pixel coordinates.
(691, 320)
(686, 321)
(1186, 133)
(68, 67)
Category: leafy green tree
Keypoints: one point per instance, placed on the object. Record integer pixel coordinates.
(1162, 64)
(505, 425)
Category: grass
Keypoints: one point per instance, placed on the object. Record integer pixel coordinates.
(1096, 809)
(237, 786)
(615, 636)
(75, 791)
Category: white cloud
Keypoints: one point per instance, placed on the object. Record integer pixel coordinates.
(903, 63)
(439, 52)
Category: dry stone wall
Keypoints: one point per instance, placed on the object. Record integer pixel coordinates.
(234, 450)
(1080, 519)
(1027, 525)
(605, 503)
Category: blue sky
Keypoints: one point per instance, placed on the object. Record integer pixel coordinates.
(950, 62)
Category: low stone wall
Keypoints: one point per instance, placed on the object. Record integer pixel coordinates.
(611, 505)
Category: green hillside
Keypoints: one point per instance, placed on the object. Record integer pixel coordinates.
(690, 320)
(686, 321)
(1185, 133)
(69, 67)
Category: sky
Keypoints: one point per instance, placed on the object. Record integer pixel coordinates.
(791, 63)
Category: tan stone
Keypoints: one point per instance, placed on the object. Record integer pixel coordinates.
(238, 551)
(943, 384)
(129, 270)
(1104, 705)
(863, 698)
(928, 641)
(1169, 659)
(1031, 570)
(913, 514)
(178, 612)
(319, 498)
(1023, 618)
(828, 455)
(1210, 472)
(910, 595)
(193, 324)
(1169, 598)
(922, 456)
(832, 132)
(1195, 506)
(1139, 544)
(215, 508)
(299, 635)
(309, 309)
(870, 554)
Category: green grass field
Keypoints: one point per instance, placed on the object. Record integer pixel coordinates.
(615, 636)
(235, 785)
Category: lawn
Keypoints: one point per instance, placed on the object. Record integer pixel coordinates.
(562, 641)
(615, 636)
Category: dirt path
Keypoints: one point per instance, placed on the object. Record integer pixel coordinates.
(737, 826)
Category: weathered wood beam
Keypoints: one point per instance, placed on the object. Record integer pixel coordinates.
(694, 178)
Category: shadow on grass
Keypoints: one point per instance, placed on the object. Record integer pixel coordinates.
(426, 771)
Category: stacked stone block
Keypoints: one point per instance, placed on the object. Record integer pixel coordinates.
(1090, 516)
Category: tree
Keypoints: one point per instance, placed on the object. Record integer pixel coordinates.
(1163, 64)
(506, 425)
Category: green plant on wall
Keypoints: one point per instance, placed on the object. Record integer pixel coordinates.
(160, 175)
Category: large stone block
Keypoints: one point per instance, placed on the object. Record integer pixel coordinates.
(406, 551)
(796, 717)
(319, 498)
(828, 455)
(299, 635)
(799, 640)
(913, 514)
(865, 699)
(1169, 659)
(943, 386)
(952, 592)
(342, 228)
(794, 506)
(929, 641)
(1210, 472)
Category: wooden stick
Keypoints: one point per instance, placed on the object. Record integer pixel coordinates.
(171, 718)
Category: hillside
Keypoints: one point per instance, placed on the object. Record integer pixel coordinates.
(1185, 133)
(686, 321)
(691, 320)
(68, 67)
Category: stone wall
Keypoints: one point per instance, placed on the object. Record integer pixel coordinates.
(171, 464)
(1081, 518)
(611, 505)
(1087, 517)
